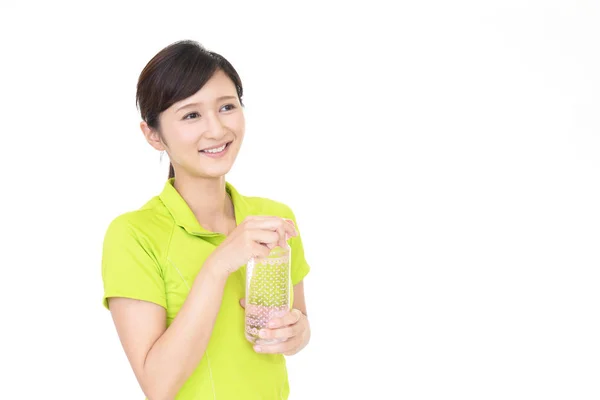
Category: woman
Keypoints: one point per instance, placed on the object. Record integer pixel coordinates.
(173, 271)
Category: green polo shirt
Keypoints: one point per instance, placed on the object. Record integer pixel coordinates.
(154, 254)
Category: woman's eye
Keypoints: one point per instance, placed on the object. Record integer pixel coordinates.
(191, 115)
(228, 107)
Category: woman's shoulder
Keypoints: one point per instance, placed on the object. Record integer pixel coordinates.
(254, 204)
(150, 219)
(269, 206)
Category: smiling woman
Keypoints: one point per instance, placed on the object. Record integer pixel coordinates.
(199, 125)
(169, 88)
(174, 270)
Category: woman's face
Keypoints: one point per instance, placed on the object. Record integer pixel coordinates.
(202, 134)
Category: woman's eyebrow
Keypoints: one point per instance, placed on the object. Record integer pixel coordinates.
(228, 97)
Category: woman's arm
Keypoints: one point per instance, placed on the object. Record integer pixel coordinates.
(299, 300)
(162, 359)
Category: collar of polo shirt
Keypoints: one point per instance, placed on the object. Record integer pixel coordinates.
(185, 218)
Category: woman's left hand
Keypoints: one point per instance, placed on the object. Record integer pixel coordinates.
(293, 328)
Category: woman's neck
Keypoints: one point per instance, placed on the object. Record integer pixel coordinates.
(209, 201)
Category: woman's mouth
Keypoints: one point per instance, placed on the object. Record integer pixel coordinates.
(217, 151)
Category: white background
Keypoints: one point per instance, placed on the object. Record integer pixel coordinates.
(442, 159)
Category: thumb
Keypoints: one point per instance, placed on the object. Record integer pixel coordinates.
(243, 302)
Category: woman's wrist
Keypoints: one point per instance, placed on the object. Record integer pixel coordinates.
(215, 268)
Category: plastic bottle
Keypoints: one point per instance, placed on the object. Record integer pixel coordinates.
(268, 292)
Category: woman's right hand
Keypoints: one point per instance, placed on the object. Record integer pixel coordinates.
(254, 237)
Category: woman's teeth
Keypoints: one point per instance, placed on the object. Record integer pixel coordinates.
(217, 150)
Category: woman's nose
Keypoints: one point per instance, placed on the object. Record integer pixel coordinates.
(215, 129)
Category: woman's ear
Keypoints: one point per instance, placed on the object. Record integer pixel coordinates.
(152, 136)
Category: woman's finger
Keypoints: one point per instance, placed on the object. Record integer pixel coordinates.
(282, 238)
(281, 333)
(281, 347)
(264, 237)
(290, 318)
(272, 224)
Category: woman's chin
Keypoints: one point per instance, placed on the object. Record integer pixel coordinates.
(214, 172)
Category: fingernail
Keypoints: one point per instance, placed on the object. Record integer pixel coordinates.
(262, 334)
(257, 349)
(272, 324)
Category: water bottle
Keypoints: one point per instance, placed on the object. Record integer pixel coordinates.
(268, 291)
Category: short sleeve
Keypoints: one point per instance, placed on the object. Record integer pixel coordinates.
(300, 267)
(129, 266)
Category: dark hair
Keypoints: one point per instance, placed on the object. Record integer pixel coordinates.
(175, 73)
